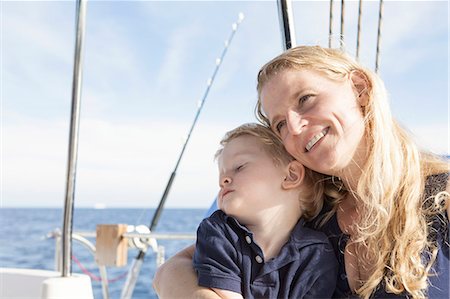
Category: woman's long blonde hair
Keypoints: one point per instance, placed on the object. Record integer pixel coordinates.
(394, 225)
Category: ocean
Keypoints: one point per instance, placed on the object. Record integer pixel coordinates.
(24, 244)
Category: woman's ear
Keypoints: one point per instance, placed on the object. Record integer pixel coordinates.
(295, 175)
(361, 86)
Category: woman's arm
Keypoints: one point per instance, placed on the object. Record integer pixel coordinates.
(176, 278)
(224, 294)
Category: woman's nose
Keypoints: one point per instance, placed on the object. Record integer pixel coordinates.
(294, 122)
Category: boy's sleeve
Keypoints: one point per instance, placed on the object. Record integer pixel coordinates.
(215, 257)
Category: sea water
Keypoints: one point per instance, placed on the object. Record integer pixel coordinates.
(23, 241)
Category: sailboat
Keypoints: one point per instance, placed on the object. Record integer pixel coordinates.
(66, 284)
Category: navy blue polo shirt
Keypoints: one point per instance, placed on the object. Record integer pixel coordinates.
(226, 257)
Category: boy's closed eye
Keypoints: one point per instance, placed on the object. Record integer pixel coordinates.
(240, 167)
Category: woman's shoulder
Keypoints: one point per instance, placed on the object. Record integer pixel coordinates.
(325, 221)
(436, 207)
(436, 195)
(436, 183)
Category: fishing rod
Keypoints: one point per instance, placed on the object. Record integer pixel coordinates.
(137, 263)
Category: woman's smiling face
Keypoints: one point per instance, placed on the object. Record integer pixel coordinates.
(320, 120)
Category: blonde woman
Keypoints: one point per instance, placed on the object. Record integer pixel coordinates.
(386, 202)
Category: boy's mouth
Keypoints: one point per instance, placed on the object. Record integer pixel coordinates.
(226, 191)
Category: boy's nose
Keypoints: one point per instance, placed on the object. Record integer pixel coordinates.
(225, 181)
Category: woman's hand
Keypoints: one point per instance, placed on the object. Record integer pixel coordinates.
(176, 278)
(224, 294)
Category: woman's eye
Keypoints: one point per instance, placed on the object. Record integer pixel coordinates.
(304, 98)
(280, 126)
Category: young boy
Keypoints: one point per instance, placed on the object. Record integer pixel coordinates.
(256, 245)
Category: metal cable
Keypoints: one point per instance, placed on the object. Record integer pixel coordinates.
(380, 23)
(330, 28)
(358, 34)
(342, 24)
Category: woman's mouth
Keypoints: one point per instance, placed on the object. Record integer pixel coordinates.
(316, 139)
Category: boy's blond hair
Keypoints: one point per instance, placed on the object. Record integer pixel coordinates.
(310, 198)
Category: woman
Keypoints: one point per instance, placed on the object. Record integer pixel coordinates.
(386, 208)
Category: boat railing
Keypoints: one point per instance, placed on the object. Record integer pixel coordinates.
(162, 236)
(136, 239)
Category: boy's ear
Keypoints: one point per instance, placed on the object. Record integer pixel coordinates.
(361, 86)
(295, 175)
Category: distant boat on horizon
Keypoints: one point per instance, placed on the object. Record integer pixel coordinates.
(99, 206)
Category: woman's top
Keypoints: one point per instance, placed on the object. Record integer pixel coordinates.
(438, 281)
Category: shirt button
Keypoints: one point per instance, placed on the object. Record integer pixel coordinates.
(248, 239)
(258, 259)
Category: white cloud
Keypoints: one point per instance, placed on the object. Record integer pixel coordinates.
(34, 24)
(118, 164)
(433, 137)
(408, 31)
(178, 56)
(37, 54)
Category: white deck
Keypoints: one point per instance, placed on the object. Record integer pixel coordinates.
(43, 284)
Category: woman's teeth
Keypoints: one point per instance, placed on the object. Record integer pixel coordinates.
(316, 138)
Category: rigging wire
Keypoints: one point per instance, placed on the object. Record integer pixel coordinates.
(342, 24)
(95, 277)
(380, 23)
(358, 34)
(330, 28)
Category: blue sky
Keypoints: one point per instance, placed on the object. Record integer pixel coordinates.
(146, 64)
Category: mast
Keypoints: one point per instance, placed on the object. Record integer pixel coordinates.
(73, 140)
(286, 24)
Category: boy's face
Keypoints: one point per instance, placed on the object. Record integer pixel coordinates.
(249, 180)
